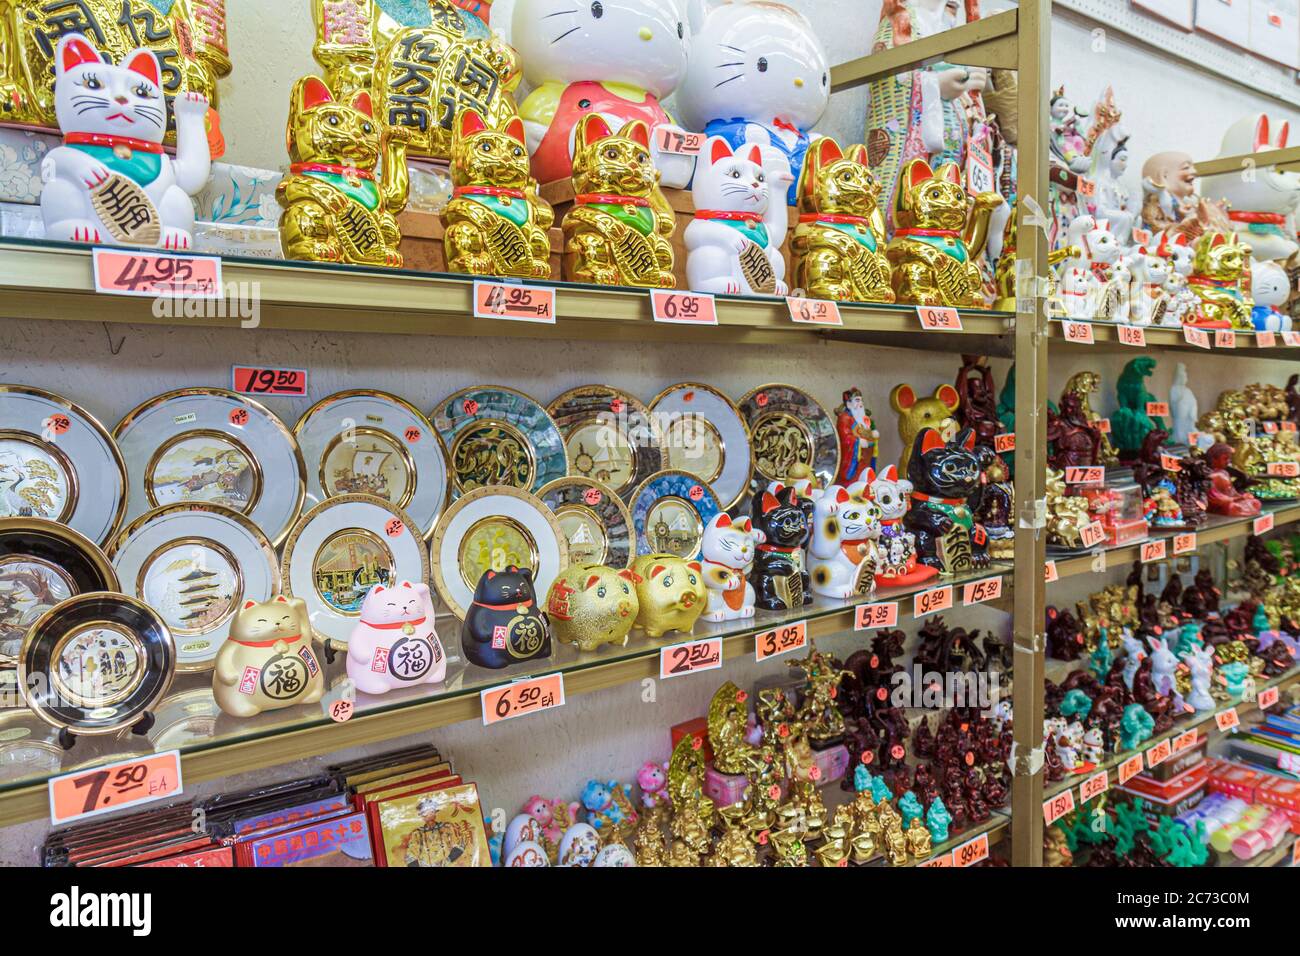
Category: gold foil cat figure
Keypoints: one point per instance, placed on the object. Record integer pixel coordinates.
(335, 208)
(1004, 273)
(940, 237)
(620, 227)
(839, 243)
(495, 223)
(1219, 264)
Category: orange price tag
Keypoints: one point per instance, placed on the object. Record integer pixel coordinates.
(1284, 469)
(936, 318)
(342, 710)
(972, 852)
(1078, 332)
(1170, 462)
(1092, 534)
(1295, 853)
(1185, 543)
(814, 311)
(683, 308)
(871, 616)
(676, 141)
(156, 274)
(1130, 768)
(690, 658)
(943, 859)
(1288, 426)
(1004, 443)
(127, 783)
(1087, 187)
(1132, 335)
(1267, 698)
(1291, 338)
(508, 300)
(781, 640)
(1265, 340)
(522, 698)
(1051, 573)
(1186, 740)
(977, 592)
(1085, 474)
(1195, 336)
(1159, 753)
(931, 601)
(1103, 425)
(1058, 806)
(256, 380)
(57, 424)
(1153, 550)
(1227, 719)
(1158, 409)
(1225, 339)
(1263, 524)
(1270, 428)
(1094, 786)
(395, 528)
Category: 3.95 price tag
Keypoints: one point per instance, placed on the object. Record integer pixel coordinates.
(1267, 698)
(1080, 333)
(814, 311)
(977, 592)
(154, 274)
(1094, 786)
(1058, 806)
(676, 141)
(127, 783)
(868, 617)
(1130, 768)
(1226, 720)
(972, 852)
(522, 698)
(932, 601)
(521, 303)
(1132, 335)
(936, 318)
(781, 640)
(683, 308)
(690, 658)
(1263, 524)
(1152, 551)
(255, 380)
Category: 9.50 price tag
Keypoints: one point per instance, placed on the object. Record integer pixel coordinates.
(781, 640)
(683, 308)
(522, 698)
(932, 601)
(155, 274)
(522, 303)
(690, 658)
(127, 783)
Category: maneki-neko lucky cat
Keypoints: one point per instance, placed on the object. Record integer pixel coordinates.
(267, 662)
(1218, 266)
(335, 207)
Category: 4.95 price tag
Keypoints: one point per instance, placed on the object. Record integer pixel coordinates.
(868, 617)
(155, 274)
(521, 303)
(255, 380)
(1225, 339)
(1079, 333)
(1227, 719)
(977, 592)
(683, 308)
(814, 311)
(781, 640)
(127, 783)
(522, 698)
(936, 318)
(1058, 806)
(690, 658)
(932, 601)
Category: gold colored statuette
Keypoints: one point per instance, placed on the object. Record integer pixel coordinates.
(190, 41)
(620, 228)
(1219, 264)
(918, 840)
(819, 713)
(1067, 514)
(686, 786)
(495, 223)
(734, 847)
(649, 844)
(335, 207)
(940, 237)
(1004, 273)
(727, 723)
(895, 844)
(839, 243)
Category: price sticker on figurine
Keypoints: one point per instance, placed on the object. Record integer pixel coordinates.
(1058, 806)
(521, 698)
(932, 601)
(1283, 469)
(1130, 768)
(341, 711)
(1103, 425)
(1094, 786)
(1195, 336)
(978, 592)
(1004, 443)
(1185, 543)
(1080, 333)
(683, 308)
(157, 274)
(814, 311)
(935, 318)
(1050, 573)
(868, 617)
(1186, 741)
(1092, 534)
(690, 658)
(1158, 409)
(520, 303)
(1263, 524)
(1087, 187)
(255, 380)
(972, 852)
(1267, 698)
(1225, 339)
(1291, 338)
(1085, 474)
(1228, 719)
(1170, 462)
(678, 141)
(781, 640)
(1133, 335)
(1153, 551)
(1265, 340)
(1159, 753)
(114, 786)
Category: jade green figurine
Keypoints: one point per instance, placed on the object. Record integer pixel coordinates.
(1130, 423)
(1102, 658)
(1136, 726)
(1189, 638)
(910, 808)
(1130, 823)
(880, 791)
(1076, 704)
(863, 780)
(1234, 676)
(937, 820)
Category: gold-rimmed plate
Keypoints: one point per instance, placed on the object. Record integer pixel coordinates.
(596, 524)
(181, 720)
(195, 564)
(342, 548)
(706, 436)
(788, 427)
(212, 446)
(58, 462)
(494, 528)
(611, 437)
(498, 437)
(373, 443)
(670, 511)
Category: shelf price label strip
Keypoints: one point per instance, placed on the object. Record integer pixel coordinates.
(127, 783)
(155, 275)
(518, 303)
(683, 308)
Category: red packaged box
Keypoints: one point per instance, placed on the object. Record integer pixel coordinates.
(1146, 785)
(1234, 779)
(1278, 792)
(699, 727)
(1170, 802)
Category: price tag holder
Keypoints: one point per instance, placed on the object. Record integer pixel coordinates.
(1283, 469)
(978, 592)
(1092, 534)
(868, 617)
(1004, 443)
(1159, 753)
(972, 852)
(690, 658)
(1226, 720)
(519, 303)
(1185, 543)
(1267, 698)
(936, 318)
(1158, 409)
(1085, 474)
(1263, 524)
(1152, 551)
(932, 601)
(781, 640)
(127, 783)
(1195, 336)
(1080, 333)
(256, 380)
(678, 142)
(1094, 786)
(1265, 340)
(814, 311)
(1185, 740)
(683, 308)
(1133, 335)
(1058, 806)
(1130, 768)
(1051, 574)
(1225, 339)
(521, 698)
(154, 275)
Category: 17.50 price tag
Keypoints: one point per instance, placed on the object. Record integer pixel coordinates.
(127, 783)
(690, 658)
(522, 303)
(683, 308)
(781, 640)
(678, 141)
(255, 380)
(155, 274)
(522, 698)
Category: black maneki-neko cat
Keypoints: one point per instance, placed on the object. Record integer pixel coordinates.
(504, 625)
(780, 575)
(946, 495)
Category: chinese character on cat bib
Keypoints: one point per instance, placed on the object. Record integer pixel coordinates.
(394, 643)
(267, 662)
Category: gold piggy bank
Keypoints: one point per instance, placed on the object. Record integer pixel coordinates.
(671, 593)
(590, 605)
(268, 662)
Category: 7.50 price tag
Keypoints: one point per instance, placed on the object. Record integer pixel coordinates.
(155, 274)
(781, 640)
(127, 783)
(522, 698)
(690, 658)
(522, 303)
(683, 308)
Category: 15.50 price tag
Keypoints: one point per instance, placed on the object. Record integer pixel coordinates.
(522, 698)
(690, 658)
(781, 640)
(977, 592)
(683, 308)
(154, 274)
(255, 380)
(127, 783)
(868, 617)
(522, 303)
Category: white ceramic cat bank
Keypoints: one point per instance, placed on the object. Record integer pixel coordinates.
(111, 182)
(394, 643)
(728, 557)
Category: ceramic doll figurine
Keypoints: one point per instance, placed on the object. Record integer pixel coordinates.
(616, 60)
(859, 438)
(495, 223)
(609, 807)
(780, 577)
(728, 247)
(1201, 664)
(842, 552)
(267, 662)
(1114, 202)
(946, 477)
(1148, 296)
(937, 820)
(1218, 266)
(393, 643)
(111, 181)
(504, 624)
(839, 244)
(1163, 664)
(671, 593)
(1177, 251)
(1094, 746)
(1135, 653)
(939, 237)
(335, 209)
(1225, 497)
(1269, 289)
(896, 550)
(589, 605)
(652, 778)
(727, 555)
(1262, 206)
(619, 229)
(1183, 407)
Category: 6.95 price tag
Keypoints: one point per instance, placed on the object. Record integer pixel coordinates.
(868, 617)
(522, 698)
(932, 601)
(127, 783)
(521, 303)
(972, 852)
(936, 318)
(1132, 335)
(1058, 806)
(781, 640)
(1080, 333)
(255, 380)
(814, 311)
(690, 658)
(683, 308)
(977, 592)
(155, 274)
(1152, 550)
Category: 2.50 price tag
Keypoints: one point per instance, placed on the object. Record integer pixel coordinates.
(127, 783)
(868, 617)
(938, 318)
(977, 592)
(690, 658)
(521, 303)
(255, 380)
(155, 274)
(683, 308)
(781, 640)
(932, 601)
(522, 698)
(814, 311)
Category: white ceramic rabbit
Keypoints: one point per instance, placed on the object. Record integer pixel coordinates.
(618, 58)
(1270, 288)
(1201, 663)
(728, 246)
(1262, 205)
(1163, 664)
(1134, 654)
(111, 182)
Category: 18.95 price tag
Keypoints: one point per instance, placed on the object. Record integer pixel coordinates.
(522, 698)
(683, 308)
(506, 300)
(255, 380)
(127, 783)
(781, 640)
(155, 274)
(690, 658)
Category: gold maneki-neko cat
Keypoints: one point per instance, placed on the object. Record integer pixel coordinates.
(188, 36)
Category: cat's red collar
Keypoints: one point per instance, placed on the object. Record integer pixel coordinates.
(777, 547)
(1245, 215)
(350, 172)
(271, 643)
(916, 231)
(488, 191)
(521, 606)
(1216, 283)
(613, 199)
(836, 217)
(750, 217)
(394, 625)
(918, 496)
(112, 140)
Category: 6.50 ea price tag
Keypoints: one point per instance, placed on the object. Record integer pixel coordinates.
(781, 640)
(154, 274)
(127, 783)
(521, 698)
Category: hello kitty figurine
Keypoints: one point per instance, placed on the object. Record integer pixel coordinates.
(842, 551)
(1269, 288)
(727, 554)
(111, 182)
(616, 58)
(728, 246)
(393, 644)
(1262, 206)
(1094, 746)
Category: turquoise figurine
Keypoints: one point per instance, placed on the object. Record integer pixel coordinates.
(1234, 675)
(1076, 704)
(937, 820)
(1135, 727)
(880, 791)
(862, 779)
(910, 808)
(1102, 658)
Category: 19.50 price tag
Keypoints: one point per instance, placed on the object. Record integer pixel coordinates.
(683, 308)
(781, 640)
(522, 698)
(155, 274)
(690, 658)
(127, 783)
(522, 303)
(255, 380)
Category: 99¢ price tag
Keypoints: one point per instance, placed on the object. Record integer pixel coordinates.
(1058, 806)
(1153, 551)
(522, 698)
(1130, 768)
(677, 141)
(1079, 333)
(254, 380)
(977, 592)
(868, 617)
(690, 658)
(781, 640)
(972, 852)
(1227, 719)
(932, 601)
(506, 300)
(157, 274)
(814, 311)
(1094, 786)
(1185, 543)
(127, 783)
(943, 859)
(683, 308)
(1132, 335)
(936, 318)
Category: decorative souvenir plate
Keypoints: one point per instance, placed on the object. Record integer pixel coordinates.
(669, 513)
(182, 720)
(42, 563)
(101, 660)
(496, 436)
(29, 747)
(58, 462)
(373, 443)
(195, 564)
(342, 548)
(495, 528)
(705, 436)
(610, 436)
(212, 446)
(788, 427)
(595, 522)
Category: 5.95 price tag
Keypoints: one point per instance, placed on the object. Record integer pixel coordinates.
(690, 658)
(521, 303)
(781, 640)
(868, 617)
(936, 318)
(1132, 335)
(977, 592)
(127, 783)
(1058, 806)
(1152, 551)
(1080, 333)
(155, 274)
(814, 311)
(683, 308)
(932, 601)
(972, 852)
(255, 380)
(522, 698)
(1185, 543)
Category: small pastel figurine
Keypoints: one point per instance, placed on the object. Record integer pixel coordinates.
(939, 238)
(579, 846)
(945, 476)
(842, 551)
(495, 223)
(111, 182)
(937, 820)
(727, 552)
(504, 624)
(393, 643)
(1218, 267)
(1163, 665)
(780, 578)
(859, 438)
(590, 605)
(267, 662)
(728, 247)
(1135, 726)
(671, 593)
(1269, 289)
(1094, 746)
(652, 778)
(609, 807)
(553, 817)
(1200, 662)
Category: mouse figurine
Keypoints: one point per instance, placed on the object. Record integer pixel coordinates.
(504, 625)
(946, 479)
(780, 575)
(267, 662)
(393, 643)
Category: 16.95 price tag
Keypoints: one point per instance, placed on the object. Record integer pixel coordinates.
(506, 300)
(127, 783)
(522, 698)
(683, 308)
(814, 311)
(690, 658)
(868, 617)
(155, 274)
(1004, 443)
(781, 640)
(255, 380)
